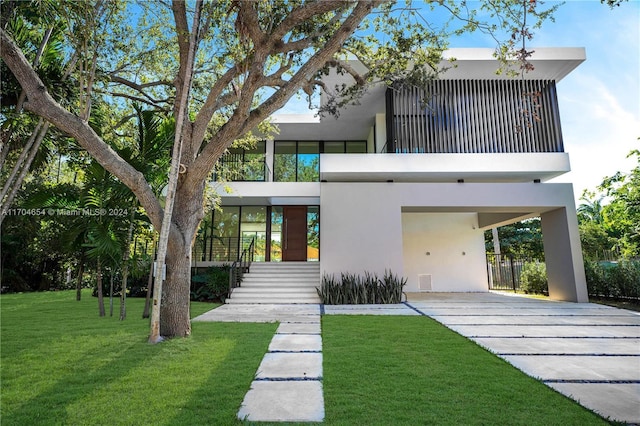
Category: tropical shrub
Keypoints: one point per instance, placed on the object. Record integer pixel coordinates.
(625, 276)
(355, 289)
(212, 285)
(534, 278)
(613, 279)
(596, 279)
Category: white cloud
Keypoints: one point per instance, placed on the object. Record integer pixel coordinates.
(598, 132)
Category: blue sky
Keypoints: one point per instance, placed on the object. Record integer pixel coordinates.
(600, 100)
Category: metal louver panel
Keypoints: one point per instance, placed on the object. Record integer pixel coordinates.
(474, 116)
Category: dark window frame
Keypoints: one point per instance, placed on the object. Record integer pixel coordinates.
(321, 150)
(243, 152)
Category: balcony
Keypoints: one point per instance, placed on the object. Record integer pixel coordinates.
(503, 167)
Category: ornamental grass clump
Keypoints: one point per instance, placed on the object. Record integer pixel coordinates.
(352, 289)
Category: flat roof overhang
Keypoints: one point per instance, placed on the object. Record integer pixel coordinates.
(355, 122)
(549, 63)
(480, 168)
(270, 193)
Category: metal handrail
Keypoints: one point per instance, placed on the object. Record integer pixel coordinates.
(210, 248)
(241, 266)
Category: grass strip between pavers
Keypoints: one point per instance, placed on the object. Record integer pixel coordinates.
(383, 370)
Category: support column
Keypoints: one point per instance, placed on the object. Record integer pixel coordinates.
(563, 256)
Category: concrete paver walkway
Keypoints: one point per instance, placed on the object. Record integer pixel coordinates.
(288, 384)
(588, 352)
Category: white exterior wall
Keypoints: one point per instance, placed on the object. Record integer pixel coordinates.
(377, 226)
(447, 246)
(360, 228)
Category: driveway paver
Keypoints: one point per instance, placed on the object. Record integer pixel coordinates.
(588, 352)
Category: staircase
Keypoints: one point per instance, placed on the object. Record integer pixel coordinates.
(282, 282)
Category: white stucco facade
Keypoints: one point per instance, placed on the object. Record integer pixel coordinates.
(437, 229)
(423, 215)
(443, 252)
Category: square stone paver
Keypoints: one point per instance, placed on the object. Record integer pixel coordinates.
(561, 346)
(617, 401)
(290, 366)
(578, 367)
(299, 328)
(544, 331)
(542, 320)
(283, 401)
(296, 342)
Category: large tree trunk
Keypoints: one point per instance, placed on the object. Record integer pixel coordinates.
(175, 318)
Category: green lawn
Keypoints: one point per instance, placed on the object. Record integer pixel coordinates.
(381, 370)
(61, 364)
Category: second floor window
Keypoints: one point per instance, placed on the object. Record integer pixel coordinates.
(296, 161)
(299, 161)
(240, 164)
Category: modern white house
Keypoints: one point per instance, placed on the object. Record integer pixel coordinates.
(408, 181)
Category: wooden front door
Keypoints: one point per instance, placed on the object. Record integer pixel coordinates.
(294, 234)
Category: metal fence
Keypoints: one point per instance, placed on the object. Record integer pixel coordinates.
(504, 271)
(219, 249)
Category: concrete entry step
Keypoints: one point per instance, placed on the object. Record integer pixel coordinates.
(292, 291)
(265, 300)
(282, 266)
(279, 282)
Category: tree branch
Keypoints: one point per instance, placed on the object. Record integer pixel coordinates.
(240, 123)
(42, 104)
(137, 86)
(211, 105)
(303, 13)
(148, 101)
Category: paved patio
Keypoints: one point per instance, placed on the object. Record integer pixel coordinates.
(588, 352)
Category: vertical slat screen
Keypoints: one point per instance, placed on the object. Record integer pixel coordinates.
(475, 116)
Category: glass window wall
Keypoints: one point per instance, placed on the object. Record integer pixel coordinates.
(308, 162)
(276, 234)
(253, 226)
(284, 162)
(227, 231)
(313, 233)
(223, 246)
(299, 161)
